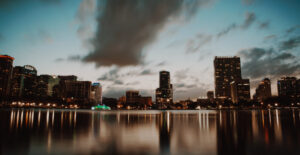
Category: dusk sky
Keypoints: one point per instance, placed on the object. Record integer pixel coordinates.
(124, 44)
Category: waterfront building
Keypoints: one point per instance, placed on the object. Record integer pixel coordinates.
(6, 68)
(240, 91)
(164, 94)
(96, 93)
(227, 70)
(287, 87)
(79, 91)
(263, 91)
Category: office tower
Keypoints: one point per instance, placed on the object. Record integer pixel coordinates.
(164, 94)
(23, 81)
(240, 90)
(6, 68)
(78, 91)
(287, 87)
(263, 91)
(96, 93)
(227, 69)
(30, 81)
(210, 96)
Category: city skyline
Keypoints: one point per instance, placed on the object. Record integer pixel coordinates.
(25, 82)
(183, 43)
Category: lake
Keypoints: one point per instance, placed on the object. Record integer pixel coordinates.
(42, 131)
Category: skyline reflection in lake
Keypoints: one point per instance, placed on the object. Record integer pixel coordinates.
(34, 131)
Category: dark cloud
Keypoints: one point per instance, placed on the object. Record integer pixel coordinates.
(260, 63)
(161, 63)
(250, 17)
(125, 27)
(196, 43)
(292, 43)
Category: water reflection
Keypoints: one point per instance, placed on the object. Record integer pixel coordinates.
(149, 132)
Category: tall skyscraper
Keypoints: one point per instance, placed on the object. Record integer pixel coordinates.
(287, 87)
(227, 70)
(6, 68)
(263, 91)
(164, 94)
(240, 90)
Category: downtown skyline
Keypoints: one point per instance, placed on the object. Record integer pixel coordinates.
(183, 43)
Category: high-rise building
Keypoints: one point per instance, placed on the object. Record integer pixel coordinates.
(227, 70)
(164, 94)
(263, 91)
(30, 81)
(60, 90)
(240, 90)
(96, 93)
(23, 81)
(6, 68)
(287, 87)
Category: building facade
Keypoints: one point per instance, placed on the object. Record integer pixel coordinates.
(287, 87)
(263, 91)
(240, 91)
(164, 94)
(227, 70)
(6, 68)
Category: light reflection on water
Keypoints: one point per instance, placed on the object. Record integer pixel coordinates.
(29, 131)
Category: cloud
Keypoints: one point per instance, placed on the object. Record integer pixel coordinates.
(250, 17)
(181, 74)
(199, 41)
(292, 43)
(38, 36)
(59, 60)
(227, 30)
(264, 25)
(292, 29)
(146, 72)
(270, 37)
(126, 27)
(162, 63)
(260, 63)
(85, 15)
(111, 75)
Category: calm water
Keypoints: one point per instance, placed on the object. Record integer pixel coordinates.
(149, 132)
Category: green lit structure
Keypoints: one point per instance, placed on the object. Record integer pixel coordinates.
(101, 107)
